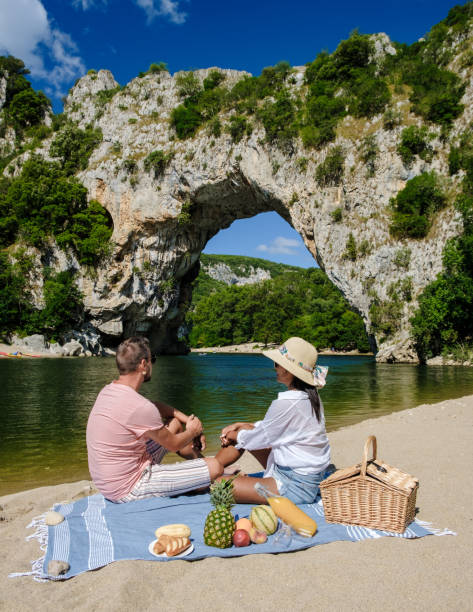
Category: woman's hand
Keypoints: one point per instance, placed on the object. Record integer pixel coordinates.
(229, 438)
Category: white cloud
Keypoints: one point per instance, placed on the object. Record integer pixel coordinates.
(26, 33)
(87, 4)
(153, 8)
(162, 8)
(281, 246)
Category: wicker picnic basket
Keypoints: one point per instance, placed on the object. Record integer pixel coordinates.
(371, 493)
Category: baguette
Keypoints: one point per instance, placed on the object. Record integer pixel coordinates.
(175, 529)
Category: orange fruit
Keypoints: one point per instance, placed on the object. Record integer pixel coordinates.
(243, 523)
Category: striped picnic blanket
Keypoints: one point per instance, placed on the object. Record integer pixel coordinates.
(96, 532)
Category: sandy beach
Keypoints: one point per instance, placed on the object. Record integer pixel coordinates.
(257, 348)
(432, 442)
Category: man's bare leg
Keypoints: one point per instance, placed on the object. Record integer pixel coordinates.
(228, 455)
(188, 452)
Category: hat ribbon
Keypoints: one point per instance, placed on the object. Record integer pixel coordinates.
(320, 373)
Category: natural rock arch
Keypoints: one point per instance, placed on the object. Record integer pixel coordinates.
(163, 221)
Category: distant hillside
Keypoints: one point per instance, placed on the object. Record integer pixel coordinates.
(219, 271)
(242, 299)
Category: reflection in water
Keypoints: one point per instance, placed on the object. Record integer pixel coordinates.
(46, 402)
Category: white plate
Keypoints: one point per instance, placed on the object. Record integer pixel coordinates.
(184, 553)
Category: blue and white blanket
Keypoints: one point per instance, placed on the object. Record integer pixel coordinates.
(96, 532)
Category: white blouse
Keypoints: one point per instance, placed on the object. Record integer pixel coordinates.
(291, 430)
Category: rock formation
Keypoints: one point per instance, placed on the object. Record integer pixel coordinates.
(163, 221)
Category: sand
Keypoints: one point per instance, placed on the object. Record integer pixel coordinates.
(257, 348)
(432, 442)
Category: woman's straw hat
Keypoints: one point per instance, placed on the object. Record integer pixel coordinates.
(299, 358)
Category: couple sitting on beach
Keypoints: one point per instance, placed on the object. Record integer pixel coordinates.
(128, 435)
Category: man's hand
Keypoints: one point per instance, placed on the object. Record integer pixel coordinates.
(194, 426)
(200, 443)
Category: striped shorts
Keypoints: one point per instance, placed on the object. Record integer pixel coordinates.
(166, 480)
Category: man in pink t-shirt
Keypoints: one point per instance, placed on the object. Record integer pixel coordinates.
(127, 437)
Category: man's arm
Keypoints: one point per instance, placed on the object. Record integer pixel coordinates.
(168, 412)
(174, 442)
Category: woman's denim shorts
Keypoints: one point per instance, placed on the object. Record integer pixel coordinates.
(299, 488)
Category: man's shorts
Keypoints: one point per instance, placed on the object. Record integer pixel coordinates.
(171, 479)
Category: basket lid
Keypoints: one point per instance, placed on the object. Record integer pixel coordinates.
(376, 469)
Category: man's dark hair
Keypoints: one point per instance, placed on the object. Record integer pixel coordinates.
(130, 353)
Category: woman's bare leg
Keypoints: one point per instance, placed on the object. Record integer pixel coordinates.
(244, 489)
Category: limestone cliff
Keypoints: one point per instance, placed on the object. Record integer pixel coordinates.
(163, 220)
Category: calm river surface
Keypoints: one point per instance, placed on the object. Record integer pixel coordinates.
(45, 402)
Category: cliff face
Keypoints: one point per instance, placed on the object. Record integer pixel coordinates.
(163, 220)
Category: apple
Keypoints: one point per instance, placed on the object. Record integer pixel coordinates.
(241, 537)
(258, 537)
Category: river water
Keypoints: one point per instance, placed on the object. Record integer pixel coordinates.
(45, 402)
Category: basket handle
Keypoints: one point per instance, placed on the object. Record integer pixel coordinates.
(371, 440)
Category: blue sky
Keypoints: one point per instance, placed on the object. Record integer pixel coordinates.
(59, 40)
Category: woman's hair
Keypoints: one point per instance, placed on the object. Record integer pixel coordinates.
(131, 352)
(311, 391)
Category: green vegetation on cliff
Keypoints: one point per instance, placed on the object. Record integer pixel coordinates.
(294, 302)
(444, 319)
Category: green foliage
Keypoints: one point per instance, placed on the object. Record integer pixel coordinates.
(391, 118)
(296, 302)
(385, 316)
(104, 96)
(278, 119)
(157, 161)
(302, 164)
(89, 234)
(157, 68)
(188, 85)
(215, 128)
(185, 120)
(414, 206)
(461, 157)
(414, 141)
(43, 201)
(330, 171)
(369, 150)
(23, 106)
(15, 301)
(401, 290)
(351, 251)
(28, 107)
(74, 146)
(237, 127)
(337, 215)
(63, 305)
(130, 166)
(444, 317)
(402, 258)
(185, 216)
(213, 80)
(435, 91)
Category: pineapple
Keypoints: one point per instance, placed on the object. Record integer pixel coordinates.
(220, 523)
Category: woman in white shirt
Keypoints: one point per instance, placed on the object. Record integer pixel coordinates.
(290, 442)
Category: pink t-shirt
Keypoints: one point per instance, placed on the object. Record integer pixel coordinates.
(115, 442)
